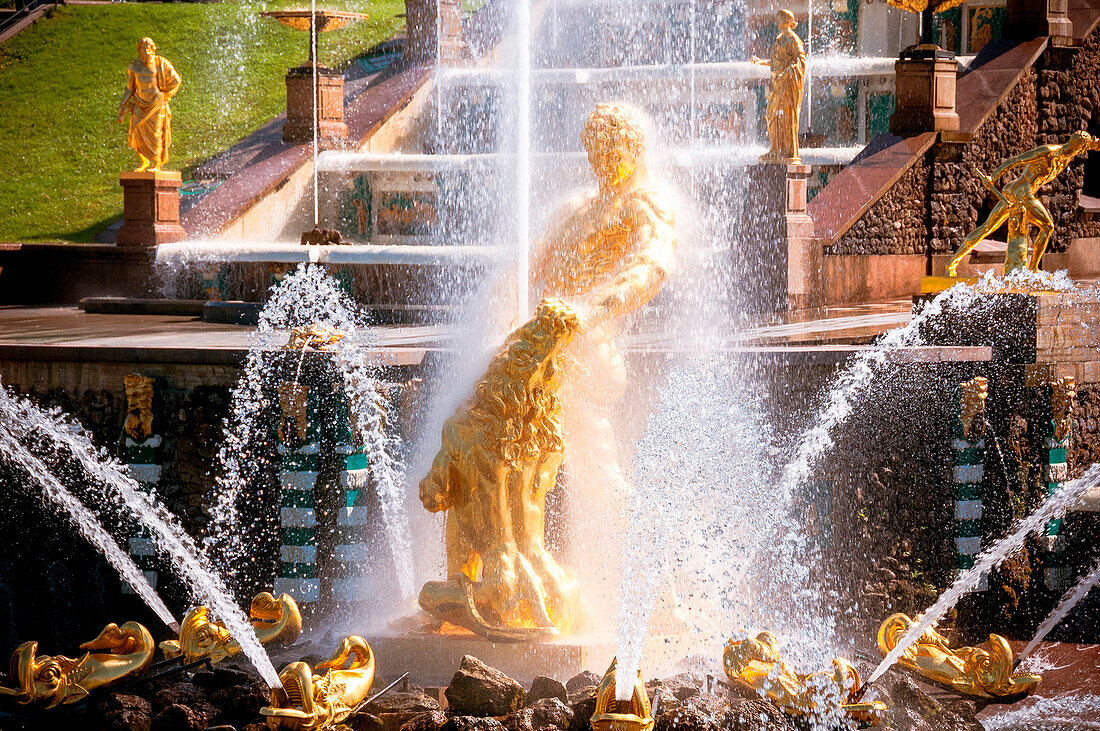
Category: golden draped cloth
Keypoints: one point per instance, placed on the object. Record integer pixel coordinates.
(151, 118)
(788, 65)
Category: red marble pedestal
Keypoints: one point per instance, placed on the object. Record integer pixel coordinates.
(299, 105)
(924, 96)
(150, 209)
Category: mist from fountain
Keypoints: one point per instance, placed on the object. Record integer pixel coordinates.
(1069, 601)
(306, 297)
(1052, 508)
(85, 521)
(24, 421)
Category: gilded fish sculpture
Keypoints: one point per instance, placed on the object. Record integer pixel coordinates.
(973, 671)
(755, 663)
(324, 696)
(52, 680)
(275, 620)
(615, 715)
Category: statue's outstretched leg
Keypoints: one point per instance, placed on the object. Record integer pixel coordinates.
(1040, 216)
(996, 217)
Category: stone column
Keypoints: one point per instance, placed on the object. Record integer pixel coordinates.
(1059, 427)
(924, 93)
(150, 209)
(968, 471)
(779, 259)
(299, 106)
(434, 31)
(1032, 18)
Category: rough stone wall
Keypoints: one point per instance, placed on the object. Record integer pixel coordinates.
(958, 199)
(896, 223)
(1068, 100)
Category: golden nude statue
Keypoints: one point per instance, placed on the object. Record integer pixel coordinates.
(139, 407)
(788, 66)
(547, 396)
(615, 715)
(150, 83)
(967, 670)
(972, 398)
(275, 620)
(118, 652)
(500, 456)
(1063, 394)
(755, 663)
(1019, 205)
(324, 696)
(608, 253)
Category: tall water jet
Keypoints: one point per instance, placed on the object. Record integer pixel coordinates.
(1069, 601)
(1052, 508)
(86, 522)
(25, 421)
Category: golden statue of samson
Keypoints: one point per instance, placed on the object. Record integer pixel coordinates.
(546, 399)
(150, 83)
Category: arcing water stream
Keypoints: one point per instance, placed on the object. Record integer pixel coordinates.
(24, 420)
(1068, 602)
(86, 522)
(1052, 508)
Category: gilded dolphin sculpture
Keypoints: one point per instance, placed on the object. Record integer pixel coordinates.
(615, 715)
(326, 695)
(51, 680)
(971, 671)
(755, 663)
(275, 620)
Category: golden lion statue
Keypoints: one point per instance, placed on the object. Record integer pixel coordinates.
(500, 456)
(967, 670)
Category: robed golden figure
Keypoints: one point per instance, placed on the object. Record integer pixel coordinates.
(150, 83)
(788, 67)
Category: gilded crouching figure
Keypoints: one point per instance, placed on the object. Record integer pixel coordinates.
(500, 456)
(51, 680)
(755, 663)
(968, 670)
(275, 620)
(327, 694)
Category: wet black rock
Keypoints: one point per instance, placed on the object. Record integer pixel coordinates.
(472, 723)
(754, 714)
(364, 722)
(121, 712)
(241, 702)
(543, 687)
(479, 690)
(222, 677)
(581, 681)
(583, 704)
(395, 709)
(427, 721)
(183, 694)
(178, 717)
(911, 708)
(548, 714)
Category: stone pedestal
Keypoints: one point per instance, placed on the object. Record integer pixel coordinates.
(434, 31)
(1033, 18)
(924, 93)
(299, 105)
(150, 209)
(779, 259)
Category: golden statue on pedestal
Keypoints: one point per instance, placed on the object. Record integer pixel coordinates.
(118, 652)
(139, 407)
(615, 715)
(608, 254)
(326, 695)
(1019, 205)
(967, 670)
(275, 620)
(788, 66)
(755, 663)
(150, 83)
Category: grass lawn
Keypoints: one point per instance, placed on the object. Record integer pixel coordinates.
(61, 80)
